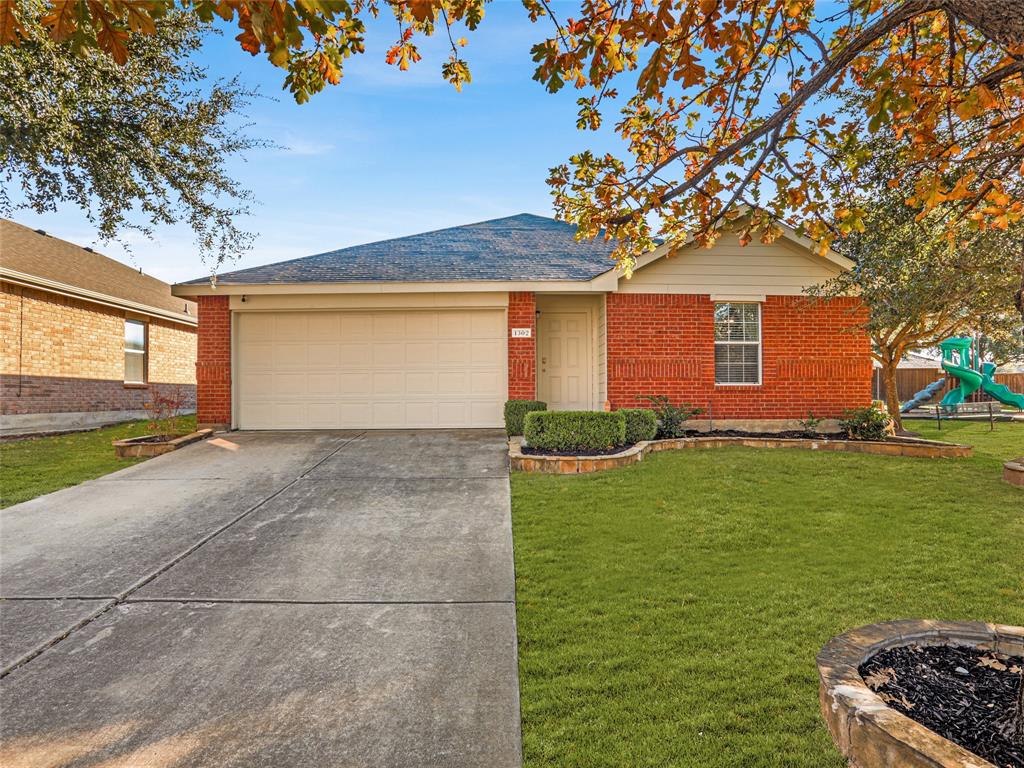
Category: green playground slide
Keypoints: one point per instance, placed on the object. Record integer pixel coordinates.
(956, 352)
(1002, 393)
(970, 382)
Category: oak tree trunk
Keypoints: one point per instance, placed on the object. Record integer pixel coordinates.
(892, 396)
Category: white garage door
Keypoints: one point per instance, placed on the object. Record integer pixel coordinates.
(366, 370)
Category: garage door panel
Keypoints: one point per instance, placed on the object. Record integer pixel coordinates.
(323, 354)
(353, 354)
(387, 414)
(388, 353)
(291, 327)
(290, 354)
(322, 384)
(450, 414)
(258, 384)
(453, 324)
(386, 369)
(483, 382)
(324, 326)
(485, 412)
(289, 385)
(487, 325)
(453, 352)
(420, 382)
(421, 353)
(388, 325)
(388, 383)
(354, 383)
(324, 413)
(484, 353)
(453, 382)
(355, 326)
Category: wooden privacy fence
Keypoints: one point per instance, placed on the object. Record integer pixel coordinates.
(912, 380)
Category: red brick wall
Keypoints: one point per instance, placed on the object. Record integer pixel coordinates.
(66, 355)
(522, 353)
(664, 344)
(213, 364)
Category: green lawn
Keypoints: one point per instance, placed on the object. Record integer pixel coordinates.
(669, 613)
(38, 465)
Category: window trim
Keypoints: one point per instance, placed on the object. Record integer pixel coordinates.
(144, 352)
(760, 346)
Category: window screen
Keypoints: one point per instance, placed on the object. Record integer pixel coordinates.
(134, 352)
(737, 343)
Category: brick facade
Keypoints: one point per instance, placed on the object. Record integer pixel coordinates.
(522, 353)
(213, 365)
(664, 344)
(65, 355)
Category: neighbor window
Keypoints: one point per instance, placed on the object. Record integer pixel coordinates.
(737, 343)
(135, 342)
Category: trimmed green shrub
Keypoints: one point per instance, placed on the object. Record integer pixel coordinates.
(515, 412)
(575, 431)
(868, 423)
(641, 424)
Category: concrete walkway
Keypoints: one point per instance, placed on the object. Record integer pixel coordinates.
(267, 599)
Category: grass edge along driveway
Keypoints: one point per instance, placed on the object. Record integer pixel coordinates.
(669, 613)
(33, 466)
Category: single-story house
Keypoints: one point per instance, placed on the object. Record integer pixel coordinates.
(87, 340)
(439, 329)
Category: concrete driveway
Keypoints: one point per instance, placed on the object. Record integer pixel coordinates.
(267, 599)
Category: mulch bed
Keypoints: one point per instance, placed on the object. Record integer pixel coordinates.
(527, 451)
(154, 438)
(964, 694)
(794, 434)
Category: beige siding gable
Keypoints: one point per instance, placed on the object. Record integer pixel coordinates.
(780, 268)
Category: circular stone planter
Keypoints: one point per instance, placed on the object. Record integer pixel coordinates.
(573, 465)
(1013, 472)
(867, 731)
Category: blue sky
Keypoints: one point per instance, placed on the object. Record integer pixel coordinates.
(384, 154)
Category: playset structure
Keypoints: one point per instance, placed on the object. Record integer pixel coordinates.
(960, 359)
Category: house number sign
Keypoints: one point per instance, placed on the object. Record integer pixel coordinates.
(522, 333)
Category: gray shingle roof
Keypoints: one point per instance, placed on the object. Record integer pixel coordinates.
(522, 247)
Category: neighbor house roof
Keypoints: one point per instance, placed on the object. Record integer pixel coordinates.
(516, 248)
(31, 257)
(915, 360)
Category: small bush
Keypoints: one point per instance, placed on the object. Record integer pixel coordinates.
(868, 423)
(811, 424)
(641, 424)
(671, 418)
(575, 431)
(515, 412)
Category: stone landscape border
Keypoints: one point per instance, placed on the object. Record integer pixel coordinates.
(575, 465)
(137, 447)
(868, 732)
(1013, 472)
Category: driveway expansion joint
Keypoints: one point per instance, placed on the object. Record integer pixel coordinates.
(123, 596)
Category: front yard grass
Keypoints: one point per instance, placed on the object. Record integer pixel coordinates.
(669, 613)
(37, 465)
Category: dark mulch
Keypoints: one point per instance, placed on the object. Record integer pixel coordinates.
(527, 451)
(154, 438)
(793, 433)
(967, 695)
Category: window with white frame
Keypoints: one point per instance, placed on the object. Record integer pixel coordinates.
(135, 348)
(737, 343)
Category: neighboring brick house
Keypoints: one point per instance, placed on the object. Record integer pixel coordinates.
(438, 329)
(86, 340)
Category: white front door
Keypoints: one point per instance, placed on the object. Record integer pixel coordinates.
(564, 365)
